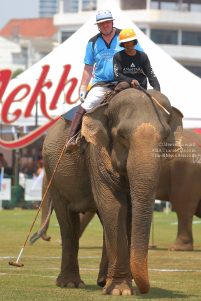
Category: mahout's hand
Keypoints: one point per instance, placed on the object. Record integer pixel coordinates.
(133, 83)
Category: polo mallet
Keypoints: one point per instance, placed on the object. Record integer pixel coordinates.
(150, 96)
(16, 264)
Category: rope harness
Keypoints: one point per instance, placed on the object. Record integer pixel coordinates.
(154, 99)
(192, 140)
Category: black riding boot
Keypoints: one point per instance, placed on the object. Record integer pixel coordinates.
(75, 127)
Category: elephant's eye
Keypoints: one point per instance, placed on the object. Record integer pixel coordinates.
(123, 138)
(121, 134)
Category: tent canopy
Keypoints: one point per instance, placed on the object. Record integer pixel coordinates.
(177, 83)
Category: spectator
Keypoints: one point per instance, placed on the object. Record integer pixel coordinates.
(40, 167)
(3, 162)
(39, 155)
(30, 169)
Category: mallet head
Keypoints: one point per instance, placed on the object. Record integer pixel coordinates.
(16, 264)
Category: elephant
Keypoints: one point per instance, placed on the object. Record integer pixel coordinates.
(46, 214)
(179, 184)
(116, 174)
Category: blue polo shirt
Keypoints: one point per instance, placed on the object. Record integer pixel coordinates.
(101, 54)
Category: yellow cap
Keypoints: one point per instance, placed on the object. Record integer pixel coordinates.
(127, 35)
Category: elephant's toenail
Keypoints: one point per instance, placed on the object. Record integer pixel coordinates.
(81, 285)
(70, 284)
(126, 293)
(115, 292)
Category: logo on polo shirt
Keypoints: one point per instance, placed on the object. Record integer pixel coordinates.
(132, 65)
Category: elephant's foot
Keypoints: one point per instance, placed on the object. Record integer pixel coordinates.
(69, 281)
(119, 287)
(181, 247)
(45, 237)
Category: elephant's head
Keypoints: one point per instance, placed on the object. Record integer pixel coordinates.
(131, 131)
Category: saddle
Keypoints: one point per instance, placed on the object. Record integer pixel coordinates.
(114, 86)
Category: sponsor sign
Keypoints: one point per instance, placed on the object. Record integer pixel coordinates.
(32, 192)
(5, 193)
(22, 98)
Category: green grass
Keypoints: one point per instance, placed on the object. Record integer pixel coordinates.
(36, 280)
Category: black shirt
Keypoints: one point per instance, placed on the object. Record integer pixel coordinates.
(129, 67)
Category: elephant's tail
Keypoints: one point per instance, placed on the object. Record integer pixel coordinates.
(42, 229)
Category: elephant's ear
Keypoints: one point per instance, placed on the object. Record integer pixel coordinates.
(95, 127)
(174, 140)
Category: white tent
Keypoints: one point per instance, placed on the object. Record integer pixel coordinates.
(178, 84)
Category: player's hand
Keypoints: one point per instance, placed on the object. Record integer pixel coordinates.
(83, 91)
(133, 83)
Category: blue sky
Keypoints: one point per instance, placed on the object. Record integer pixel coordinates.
(11, 9)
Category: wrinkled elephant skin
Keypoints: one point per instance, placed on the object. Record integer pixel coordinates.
(117, 163)
(180, 184)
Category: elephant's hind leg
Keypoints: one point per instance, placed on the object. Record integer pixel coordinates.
(184, 240)
(69, 225)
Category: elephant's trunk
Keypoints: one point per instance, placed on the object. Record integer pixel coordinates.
(143, 170)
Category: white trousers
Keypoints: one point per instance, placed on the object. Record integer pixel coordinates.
(94, 97)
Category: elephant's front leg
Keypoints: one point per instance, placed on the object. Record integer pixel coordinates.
(69, 225)
(112, 207)
(102, 275)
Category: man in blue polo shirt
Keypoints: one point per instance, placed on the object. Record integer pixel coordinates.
(98, 67)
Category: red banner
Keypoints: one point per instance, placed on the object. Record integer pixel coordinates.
(25, 90)
(29, 138)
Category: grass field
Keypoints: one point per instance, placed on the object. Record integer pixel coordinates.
(173, 275)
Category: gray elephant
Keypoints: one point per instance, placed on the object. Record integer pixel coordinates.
(179, 184)
(46, 214)
(117, 171)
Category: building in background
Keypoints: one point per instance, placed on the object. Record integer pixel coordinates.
(23, 42)
(47, 8)
(75, 6)
(8, 51)
(174, 25)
